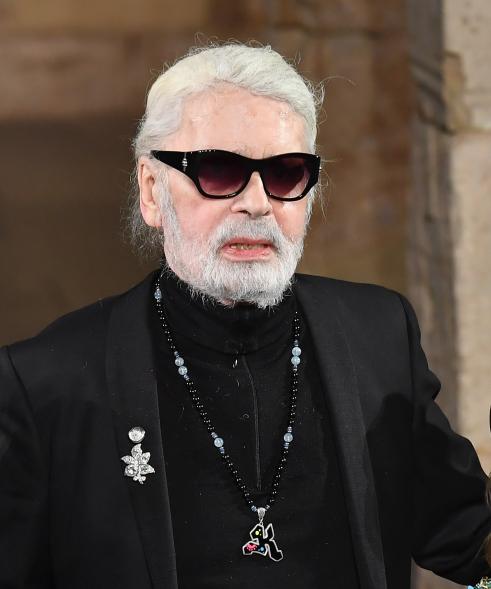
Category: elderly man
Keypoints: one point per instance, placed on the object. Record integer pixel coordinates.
(227, 423)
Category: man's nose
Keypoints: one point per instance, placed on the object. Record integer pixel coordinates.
(253, 200)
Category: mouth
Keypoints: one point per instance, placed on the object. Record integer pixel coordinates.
(242, 248)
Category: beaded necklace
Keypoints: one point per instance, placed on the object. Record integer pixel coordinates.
(261, 540)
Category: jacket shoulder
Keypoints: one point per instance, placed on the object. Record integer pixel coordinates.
(67, 348)
(70, 330)
(72, 344)
(354, 294)
(368, 311)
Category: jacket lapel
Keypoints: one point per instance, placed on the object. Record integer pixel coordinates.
(324, 311)
(133, 392)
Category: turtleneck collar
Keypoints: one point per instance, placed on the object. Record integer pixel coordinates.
(233, 330)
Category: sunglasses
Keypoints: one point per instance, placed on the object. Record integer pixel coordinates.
(224, 174)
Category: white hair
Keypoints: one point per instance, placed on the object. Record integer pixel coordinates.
(259, 70)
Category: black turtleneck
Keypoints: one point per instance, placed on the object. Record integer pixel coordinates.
(239, 359)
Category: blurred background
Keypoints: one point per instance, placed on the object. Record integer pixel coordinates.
(406, 126)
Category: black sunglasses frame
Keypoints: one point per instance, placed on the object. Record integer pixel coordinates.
(188, 163)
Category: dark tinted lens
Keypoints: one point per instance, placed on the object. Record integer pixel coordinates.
(286, 177)
(220, 174)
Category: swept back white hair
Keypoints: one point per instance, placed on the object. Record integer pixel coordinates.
(259, 70)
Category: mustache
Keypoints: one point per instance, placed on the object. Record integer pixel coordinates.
(263, 229)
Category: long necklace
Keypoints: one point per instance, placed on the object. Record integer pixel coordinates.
(261, 538)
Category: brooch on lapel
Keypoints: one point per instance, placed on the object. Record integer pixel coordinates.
(137, 466)
(484, 583)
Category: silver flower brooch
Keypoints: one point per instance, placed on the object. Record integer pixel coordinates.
(137, 466)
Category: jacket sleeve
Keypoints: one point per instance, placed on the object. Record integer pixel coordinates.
(24, 535)
(451, 518)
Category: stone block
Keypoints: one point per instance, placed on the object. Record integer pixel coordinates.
(61, 77)
(471, 184)
(94, 16)
(63, 187)
(340, 16)
(430, 258)
(426, 50)
(291, 43)
(425, 28)
(450, 62)
(467, 26)
(289, 14)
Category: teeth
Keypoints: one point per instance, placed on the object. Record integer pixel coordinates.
(246, 246)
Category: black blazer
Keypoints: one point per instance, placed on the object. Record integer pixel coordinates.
(68, 397)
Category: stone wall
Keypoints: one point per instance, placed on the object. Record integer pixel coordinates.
(450, 237)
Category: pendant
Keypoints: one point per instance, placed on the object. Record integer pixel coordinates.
(262, 540)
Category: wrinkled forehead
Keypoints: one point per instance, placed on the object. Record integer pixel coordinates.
(228, 117)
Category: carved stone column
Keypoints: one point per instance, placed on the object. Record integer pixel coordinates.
(450, 208)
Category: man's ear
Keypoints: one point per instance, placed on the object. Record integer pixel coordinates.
(149, 203)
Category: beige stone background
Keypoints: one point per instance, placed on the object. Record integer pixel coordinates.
(406, 128)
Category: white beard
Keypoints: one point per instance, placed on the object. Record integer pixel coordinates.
(198, 261)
